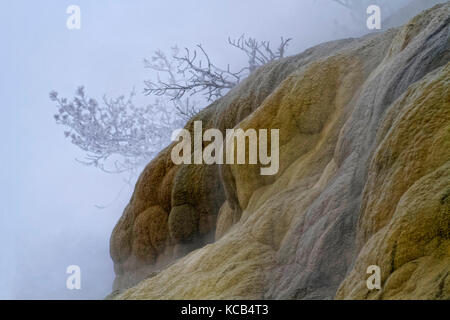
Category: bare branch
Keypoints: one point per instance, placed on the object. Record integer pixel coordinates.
(193, 78)
(195, 74)
(117, 136)
(259, 52)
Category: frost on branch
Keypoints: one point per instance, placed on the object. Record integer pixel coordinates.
(116, 135)
(194, 74)
(189, 74)
(259, 52)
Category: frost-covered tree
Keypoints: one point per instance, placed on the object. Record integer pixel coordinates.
(119, 136)
(193, 73)
(116, 135)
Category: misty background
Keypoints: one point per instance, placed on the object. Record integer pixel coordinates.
(49, 202)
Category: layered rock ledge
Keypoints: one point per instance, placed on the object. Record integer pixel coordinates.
(364, 179)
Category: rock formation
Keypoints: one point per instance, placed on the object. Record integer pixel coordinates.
(364, 179)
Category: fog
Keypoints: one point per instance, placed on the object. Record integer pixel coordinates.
(49, 214)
